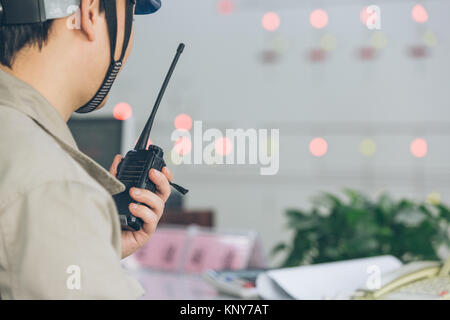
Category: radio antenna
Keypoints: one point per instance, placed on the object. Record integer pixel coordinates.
(143, 139)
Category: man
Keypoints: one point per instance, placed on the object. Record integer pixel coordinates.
(60, 235)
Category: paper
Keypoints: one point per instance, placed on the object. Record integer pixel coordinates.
(337, 280)
(269, 290)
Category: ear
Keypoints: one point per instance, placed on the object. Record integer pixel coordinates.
(89, 12)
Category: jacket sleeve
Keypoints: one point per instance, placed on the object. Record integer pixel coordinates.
(63, 241)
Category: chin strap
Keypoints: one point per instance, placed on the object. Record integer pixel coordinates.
(115, 66)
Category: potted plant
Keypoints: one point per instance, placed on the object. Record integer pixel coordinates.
(354, 226)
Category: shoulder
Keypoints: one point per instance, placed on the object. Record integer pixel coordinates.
(30, 157)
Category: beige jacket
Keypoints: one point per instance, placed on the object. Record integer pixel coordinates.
(60, 234)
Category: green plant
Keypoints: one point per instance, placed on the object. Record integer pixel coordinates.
(352, 227)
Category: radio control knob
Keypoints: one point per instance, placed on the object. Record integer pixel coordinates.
(157, 150)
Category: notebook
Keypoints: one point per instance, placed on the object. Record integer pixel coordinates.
(336, 280)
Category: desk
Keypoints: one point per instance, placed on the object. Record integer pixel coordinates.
(160, 285)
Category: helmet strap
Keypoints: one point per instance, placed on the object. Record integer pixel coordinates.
(115, 66)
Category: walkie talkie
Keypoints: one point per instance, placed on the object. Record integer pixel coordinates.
(134, 168)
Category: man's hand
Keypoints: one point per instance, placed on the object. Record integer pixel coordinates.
(133, 240)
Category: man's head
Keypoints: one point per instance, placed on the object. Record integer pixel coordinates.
(67, 58)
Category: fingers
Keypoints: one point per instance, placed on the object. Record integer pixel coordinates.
(162, 184)
(166, 171)
(149, 199)
(115, 164)
(148, 216)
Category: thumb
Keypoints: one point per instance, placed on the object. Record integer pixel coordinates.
(117, 159)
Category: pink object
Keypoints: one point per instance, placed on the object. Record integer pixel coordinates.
(164, 251)
(218, 252)
(195, 250)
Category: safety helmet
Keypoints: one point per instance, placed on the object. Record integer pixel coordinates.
(16, 12)
(34, 11)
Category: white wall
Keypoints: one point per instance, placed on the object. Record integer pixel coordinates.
(221, 81)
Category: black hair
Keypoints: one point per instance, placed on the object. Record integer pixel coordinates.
(14, 38)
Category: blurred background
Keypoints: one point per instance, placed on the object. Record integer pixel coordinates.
(356, 108)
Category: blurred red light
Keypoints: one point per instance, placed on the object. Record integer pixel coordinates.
(364, 16)
(122, 111)
(418, 51)
(183, 122)
(269, 57)
(183, 146)
(419, 14)
(223, 146)
(367, 53)
(318, 147)
(225, 7)
(271, 21)
(419, 148)
(318, 19)
(317, 55)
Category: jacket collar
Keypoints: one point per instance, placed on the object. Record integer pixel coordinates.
(18, 95)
